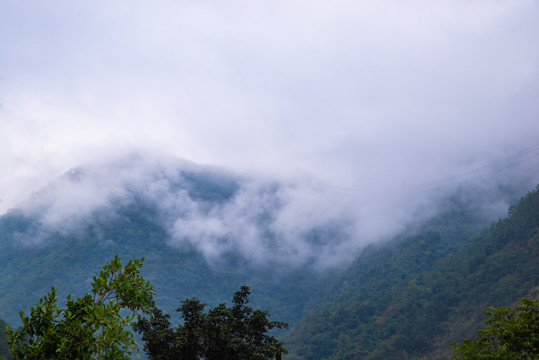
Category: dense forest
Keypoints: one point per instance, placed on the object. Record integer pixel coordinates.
(416, 296)
(405, 298)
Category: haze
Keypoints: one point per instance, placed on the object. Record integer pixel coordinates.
(363, 100)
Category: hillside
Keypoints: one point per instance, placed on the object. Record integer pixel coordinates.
(68, 261)
(35, 255)
(205, 233)
(414, 297)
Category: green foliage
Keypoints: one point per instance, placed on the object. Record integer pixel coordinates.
(94, 326)
(510, 334)
(232, 333)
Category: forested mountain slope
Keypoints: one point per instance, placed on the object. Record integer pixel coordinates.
(410, 295)
(68, 261)
(413, 298)
(35, 256)
(203, 231)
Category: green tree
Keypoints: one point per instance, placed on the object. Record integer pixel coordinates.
(510, 334)
(232, 333)
(94, 326)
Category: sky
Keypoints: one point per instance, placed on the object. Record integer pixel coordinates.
(366, 100)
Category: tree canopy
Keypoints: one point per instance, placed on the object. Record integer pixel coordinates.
(99, 324)
(235, 332)
(94, 326)
(511, 334)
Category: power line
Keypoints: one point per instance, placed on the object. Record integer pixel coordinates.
(471, 175)
(484, 170)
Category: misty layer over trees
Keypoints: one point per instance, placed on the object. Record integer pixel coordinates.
(262, 219)
(411, 293)
(207, 209)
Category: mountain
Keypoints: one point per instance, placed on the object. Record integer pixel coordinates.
(205, 232)
(413, 297)
(176, 217)
(68, 261)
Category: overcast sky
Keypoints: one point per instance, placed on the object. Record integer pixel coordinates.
(379, 94)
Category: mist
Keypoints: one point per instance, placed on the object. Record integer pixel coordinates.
(358, 116)
(263, 219)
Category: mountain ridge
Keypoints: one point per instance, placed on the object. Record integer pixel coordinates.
(140, 219)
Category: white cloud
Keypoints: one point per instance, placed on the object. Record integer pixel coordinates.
(377, 95)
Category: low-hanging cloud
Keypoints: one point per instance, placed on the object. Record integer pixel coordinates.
(215, 211)
(264, 220)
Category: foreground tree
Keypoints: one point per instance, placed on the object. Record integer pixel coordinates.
(95, 326)
(511, 334)
(231, 333)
